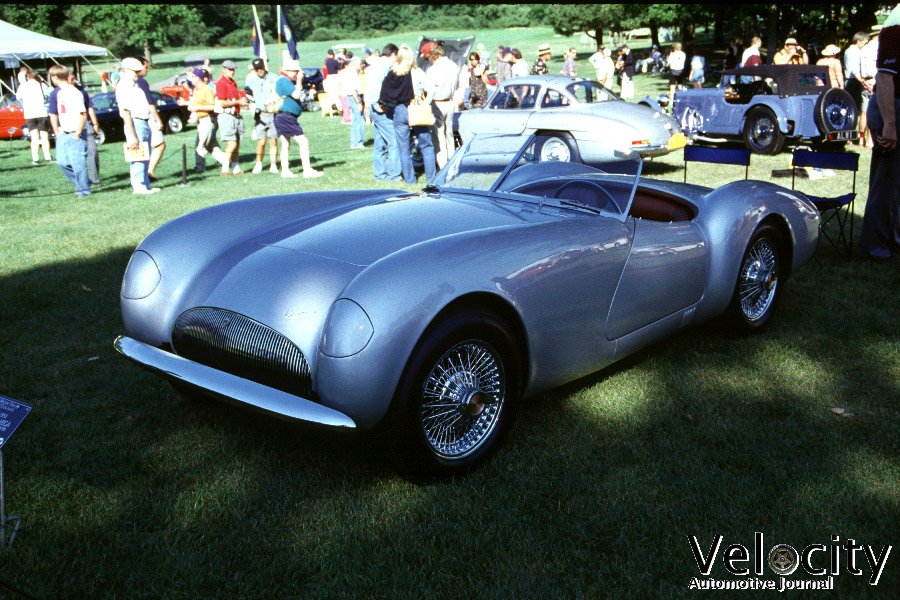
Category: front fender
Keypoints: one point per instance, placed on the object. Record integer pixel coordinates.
(558, 277)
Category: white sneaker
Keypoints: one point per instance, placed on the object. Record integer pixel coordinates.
(146, 192)
(288, 175)
(257, 168)
(311, 173)
(236, 170)
(273, 169)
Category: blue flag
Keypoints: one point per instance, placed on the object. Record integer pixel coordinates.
(256, 38)
(288, 35)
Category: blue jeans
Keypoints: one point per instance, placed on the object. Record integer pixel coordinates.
(357, 123)
(71, 155)
(139, 178)
(426, 146)
(386, 156)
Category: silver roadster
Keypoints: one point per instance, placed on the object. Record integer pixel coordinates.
(538, 103)
(528, 262)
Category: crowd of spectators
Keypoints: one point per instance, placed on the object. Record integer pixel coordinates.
(378, 88)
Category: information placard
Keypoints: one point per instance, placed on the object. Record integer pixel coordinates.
(12, 413)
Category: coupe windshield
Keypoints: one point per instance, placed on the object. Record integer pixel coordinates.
(584, 174)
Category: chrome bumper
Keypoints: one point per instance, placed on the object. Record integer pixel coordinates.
(229, 387)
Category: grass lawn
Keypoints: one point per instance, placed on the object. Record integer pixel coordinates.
(126, 490)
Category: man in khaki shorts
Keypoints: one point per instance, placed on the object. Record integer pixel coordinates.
(231, 125)
(261, 83)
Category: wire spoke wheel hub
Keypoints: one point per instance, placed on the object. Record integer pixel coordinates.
(462, 398)
(758, 280)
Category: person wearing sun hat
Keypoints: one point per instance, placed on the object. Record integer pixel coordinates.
(835, 69)
(540, 65)
(791, 54)
(289, 89)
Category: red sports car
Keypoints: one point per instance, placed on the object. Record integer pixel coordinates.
(12, 120)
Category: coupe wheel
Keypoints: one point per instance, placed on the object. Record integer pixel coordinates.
(759, 281)
(559, 147)
(761, 133)
(101, 137)
(174, 124)
(453, 402)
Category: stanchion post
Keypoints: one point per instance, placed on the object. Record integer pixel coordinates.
(183, 165)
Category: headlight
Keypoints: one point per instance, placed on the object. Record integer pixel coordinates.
(141, 276)
(347, 331)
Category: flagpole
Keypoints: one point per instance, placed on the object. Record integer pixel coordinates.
(262, 42)
(278, 27)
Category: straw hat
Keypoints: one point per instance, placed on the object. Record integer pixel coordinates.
(831, 50)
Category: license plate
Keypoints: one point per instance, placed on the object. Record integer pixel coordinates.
(843, 136)
(678, 140)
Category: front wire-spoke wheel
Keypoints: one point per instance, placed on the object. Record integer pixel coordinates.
(453, 401)
(462, 399)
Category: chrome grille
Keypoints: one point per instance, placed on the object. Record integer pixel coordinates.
(236, 344)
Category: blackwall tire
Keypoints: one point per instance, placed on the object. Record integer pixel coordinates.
(452, 405)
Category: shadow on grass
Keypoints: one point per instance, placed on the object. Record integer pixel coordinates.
(596, 490)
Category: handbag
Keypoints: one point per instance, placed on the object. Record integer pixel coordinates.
(420, 114)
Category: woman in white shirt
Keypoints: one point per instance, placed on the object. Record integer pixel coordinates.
(33, 95)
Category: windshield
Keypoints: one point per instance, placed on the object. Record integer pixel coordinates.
(553, 168)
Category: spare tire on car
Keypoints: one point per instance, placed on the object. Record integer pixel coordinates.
(835, 111)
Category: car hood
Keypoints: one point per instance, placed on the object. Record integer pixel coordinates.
(368, 233)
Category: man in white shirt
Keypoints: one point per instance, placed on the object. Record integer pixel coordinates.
(386, 154)
(444, 74)
(868, 70)
(71, 143)
(135, 112)
(853, 72)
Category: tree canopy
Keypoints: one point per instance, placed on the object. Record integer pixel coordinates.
(145, 28)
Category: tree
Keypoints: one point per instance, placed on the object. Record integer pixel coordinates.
(567, 19)
(141, 27)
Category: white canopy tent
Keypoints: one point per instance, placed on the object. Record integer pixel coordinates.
(18, 45)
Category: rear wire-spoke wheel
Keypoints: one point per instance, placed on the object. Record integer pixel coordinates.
(759, 281)
(452, 404)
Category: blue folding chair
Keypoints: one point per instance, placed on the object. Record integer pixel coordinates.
(838, 209)
(719, 156)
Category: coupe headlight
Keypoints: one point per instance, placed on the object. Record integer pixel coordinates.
(347, 331)
(141, 276)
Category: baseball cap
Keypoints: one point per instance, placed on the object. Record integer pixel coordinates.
(201, 73)
(132, 64)
(258, 63)
(229, 64)
(507, 50)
